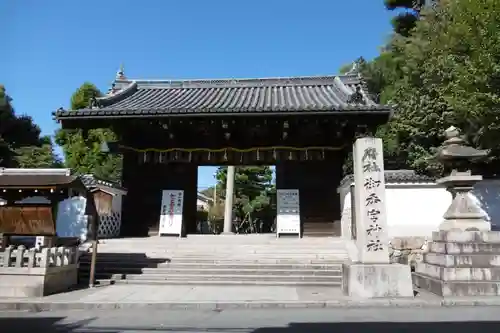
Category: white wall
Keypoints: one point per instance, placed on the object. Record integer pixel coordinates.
(418, 209)
(415, 211)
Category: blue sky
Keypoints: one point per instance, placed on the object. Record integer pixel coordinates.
(50, 48)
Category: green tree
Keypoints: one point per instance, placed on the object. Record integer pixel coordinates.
(450, 76)
(252, 191)
(409, 14)
(38, 157)
(82, 150)
(20, 142)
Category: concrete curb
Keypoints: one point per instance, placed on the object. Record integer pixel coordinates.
(41, 306)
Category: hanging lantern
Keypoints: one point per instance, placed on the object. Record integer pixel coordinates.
(258, 155)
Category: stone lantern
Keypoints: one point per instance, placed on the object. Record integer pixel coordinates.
(463, 255)
(455, 155)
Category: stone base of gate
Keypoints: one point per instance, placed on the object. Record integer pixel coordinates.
(376, 280)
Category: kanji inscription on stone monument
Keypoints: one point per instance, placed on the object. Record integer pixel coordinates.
(369, 195)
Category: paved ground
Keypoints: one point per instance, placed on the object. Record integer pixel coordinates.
(457, 320)
(165, 298)
(187, 293)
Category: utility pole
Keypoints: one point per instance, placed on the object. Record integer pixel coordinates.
(228, 207)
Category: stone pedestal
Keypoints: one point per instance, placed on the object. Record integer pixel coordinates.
(376, 280)
(463, 214)
(461, 263)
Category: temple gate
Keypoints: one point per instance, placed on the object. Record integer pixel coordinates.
(305, 126)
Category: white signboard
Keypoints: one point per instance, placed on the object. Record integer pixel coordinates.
(172, 202)
(288, 219)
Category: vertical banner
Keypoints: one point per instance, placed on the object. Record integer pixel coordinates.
(288, 206)
(172, 203)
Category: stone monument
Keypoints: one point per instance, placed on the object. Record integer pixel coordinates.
(373, 276)
(464, 255)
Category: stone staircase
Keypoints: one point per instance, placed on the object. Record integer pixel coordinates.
(321, 229)
(219, 260)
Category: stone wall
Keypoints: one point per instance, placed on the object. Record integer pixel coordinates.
(407, 250)
(37, 273)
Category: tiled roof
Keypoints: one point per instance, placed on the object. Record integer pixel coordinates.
(228, 96)
(396, 176)
(91, 182)
(38, 181)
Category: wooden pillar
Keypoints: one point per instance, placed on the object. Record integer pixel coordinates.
(131, 179)
(189, 183)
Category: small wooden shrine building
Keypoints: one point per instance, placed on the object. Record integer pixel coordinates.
(305, 126)
(30, 199)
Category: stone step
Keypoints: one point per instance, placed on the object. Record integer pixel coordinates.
(206, 238)
(456, 288)
(233, 266)
(270, 248)
(333, 284)
(459, 274)
(260, 261)
(249, 251)
(464, 248)
(217, 239)
(225, 253)
(214, 271)
(233, 277)
(235, 256)
(457, 236)
(463, 260)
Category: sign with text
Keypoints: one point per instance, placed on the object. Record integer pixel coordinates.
(369, 201)
(27, 220)
(172, 203)
(288, 217)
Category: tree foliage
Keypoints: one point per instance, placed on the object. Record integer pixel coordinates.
(253, 190)
(409, 14)
(447, 72)
(21, 144)
(82, 150)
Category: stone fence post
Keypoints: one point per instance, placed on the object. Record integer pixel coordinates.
(21, 257)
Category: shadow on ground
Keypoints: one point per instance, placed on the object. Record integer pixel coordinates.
(386, 327)
(56, 324)
(116, 264)
(49, 325)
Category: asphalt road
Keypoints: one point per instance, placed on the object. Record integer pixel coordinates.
(387, 320)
